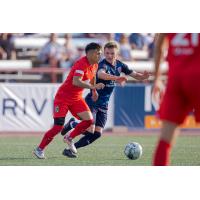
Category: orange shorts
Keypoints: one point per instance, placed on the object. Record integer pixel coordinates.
(61, 108)
(182, 96)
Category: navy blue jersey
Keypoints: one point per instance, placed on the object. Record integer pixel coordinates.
(104, 94)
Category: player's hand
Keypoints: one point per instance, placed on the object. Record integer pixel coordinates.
(158, 91)
(145, 75)
(99, 86)
(95, 95)
(121, 80)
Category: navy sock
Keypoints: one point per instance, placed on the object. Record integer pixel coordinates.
(94, 136)
(84, 141)
(87, 139)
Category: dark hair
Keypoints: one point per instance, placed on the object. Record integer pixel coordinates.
(111, 45)
(92, 46)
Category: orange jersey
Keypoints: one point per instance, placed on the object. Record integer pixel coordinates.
(69, 92)
(183, 52)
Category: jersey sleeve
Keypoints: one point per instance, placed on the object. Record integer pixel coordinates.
(125, 69)
(79, 70)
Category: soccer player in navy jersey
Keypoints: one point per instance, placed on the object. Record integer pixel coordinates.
(109, 71)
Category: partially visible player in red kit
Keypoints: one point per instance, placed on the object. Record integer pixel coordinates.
(69, 98)
(182, 93)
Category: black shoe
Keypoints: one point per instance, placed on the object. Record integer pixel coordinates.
(67, 127)
(69, 153)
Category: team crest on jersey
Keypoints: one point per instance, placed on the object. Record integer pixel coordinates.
(57, 109)
(119, 69)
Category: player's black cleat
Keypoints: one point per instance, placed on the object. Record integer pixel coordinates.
(67, 127)
(69, 153)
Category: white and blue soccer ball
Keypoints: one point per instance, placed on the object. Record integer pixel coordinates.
(133, 150)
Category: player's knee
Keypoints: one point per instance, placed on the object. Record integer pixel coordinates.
(91, 128)
(59, 121)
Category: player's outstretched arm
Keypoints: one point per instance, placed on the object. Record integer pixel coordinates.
(140, 76)
(104, 76)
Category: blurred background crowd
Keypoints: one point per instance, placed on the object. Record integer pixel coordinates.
(59, 51)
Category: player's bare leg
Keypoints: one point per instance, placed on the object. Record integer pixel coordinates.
(167, 139)
(169, 132)
(86, 115)
(91, 129)
(99, 129)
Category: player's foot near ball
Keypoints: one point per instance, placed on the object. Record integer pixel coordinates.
(69, 153)
(68, 126)
(39, 153)
(70, 143)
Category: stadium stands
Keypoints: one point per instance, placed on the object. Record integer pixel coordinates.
(28, 67)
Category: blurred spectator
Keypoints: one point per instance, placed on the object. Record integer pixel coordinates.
(109, 36)
(136, 41)
(52, 52)
(80, 53)
(118, 36)
(106, 37)
(149, 43)
(69, 53)
(91, 35)
(125, 48)
(7, 50)
(103, 36)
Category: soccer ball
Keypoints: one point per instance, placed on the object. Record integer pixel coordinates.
(133, 150)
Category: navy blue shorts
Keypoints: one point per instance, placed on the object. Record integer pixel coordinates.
(99, 113)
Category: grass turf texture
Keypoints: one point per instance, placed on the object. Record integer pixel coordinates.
(107, 151)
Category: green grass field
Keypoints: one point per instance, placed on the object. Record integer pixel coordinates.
(107, 151)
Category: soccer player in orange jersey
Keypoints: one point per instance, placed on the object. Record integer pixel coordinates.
(182, 93)
(69, 98)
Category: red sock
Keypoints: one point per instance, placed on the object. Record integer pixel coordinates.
(80, 128)
(162, 154)
(49, 135)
